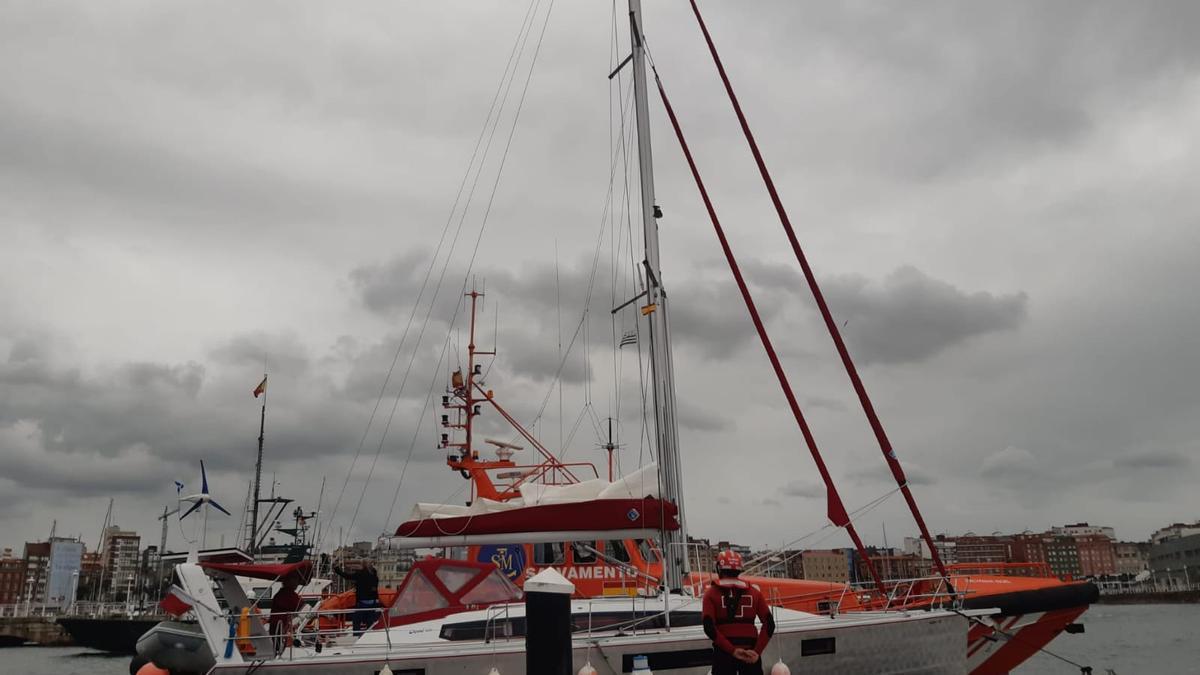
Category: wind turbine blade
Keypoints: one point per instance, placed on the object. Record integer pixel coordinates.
(189, 511)
(203, 478)
(219, 507)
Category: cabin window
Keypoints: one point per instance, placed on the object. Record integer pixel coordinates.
(647, 550)
(494, 588)
(551, 553)
(581, 553)
(818, 646)
(615, 549)
(454, 577)
(419, 595)
(484, 630)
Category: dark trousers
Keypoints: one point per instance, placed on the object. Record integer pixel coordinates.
(366, 616)
(725, 664)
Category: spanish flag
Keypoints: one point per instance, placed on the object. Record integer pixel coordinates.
(261, 388)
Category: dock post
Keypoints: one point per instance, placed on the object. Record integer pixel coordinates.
(548, 623)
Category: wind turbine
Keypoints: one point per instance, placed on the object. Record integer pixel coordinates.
(205, 500)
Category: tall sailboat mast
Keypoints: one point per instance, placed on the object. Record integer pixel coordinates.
(655, 310)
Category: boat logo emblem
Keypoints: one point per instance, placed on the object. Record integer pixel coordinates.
(633, 514)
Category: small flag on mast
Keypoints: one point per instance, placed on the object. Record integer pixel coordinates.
(261, 388)
(630, 338)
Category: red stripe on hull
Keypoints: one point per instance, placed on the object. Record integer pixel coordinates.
(1027, 640)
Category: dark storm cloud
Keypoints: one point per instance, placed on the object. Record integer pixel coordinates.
(156, 179)
(395, 284)
(1153, 460)
(911, 317)
(972, 84)
(76, 411)
(407, 368)
(536, 357)
(261, 350)
(818, 402)
(129, 427)
(804, 489)
(1011, 466)
(707, 317)
(695, 418)
(880, 473)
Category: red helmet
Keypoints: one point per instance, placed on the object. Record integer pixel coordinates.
(729, 560)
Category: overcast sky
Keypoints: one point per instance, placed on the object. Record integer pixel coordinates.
(999, 198)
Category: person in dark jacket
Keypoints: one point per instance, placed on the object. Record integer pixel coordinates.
(366, 594)
(284, 606)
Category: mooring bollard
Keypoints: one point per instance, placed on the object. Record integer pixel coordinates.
(548, 624)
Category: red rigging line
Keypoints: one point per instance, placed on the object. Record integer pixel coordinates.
(836, 510)
(885, 445)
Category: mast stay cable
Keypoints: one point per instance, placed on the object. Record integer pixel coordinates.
(491, 120)
(835, 509)
(479, 237)
(885, 445)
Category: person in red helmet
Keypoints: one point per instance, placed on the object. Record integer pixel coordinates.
(731, 607)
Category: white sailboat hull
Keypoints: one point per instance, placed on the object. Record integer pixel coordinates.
(871, 644)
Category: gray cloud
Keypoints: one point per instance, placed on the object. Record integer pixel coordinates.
(818, 402)
(697, 419)
(804, 489)
(1010, 465)
(280, 352)
(880, 473)
(912, 317)
(536, 357)
(394, 284)
(1153, 460)
(168, 219)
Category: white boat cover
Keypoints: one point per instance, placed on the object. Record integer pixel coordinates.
(641, 483)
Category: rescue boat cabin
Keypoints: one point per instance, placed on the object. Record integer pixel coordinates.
(604, 567)
(608, 526)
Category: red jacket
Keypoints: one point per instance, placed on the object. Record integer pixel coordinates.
(730, 608)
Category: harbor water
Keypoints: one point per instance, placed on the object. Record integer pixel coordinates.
(1126, 639)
